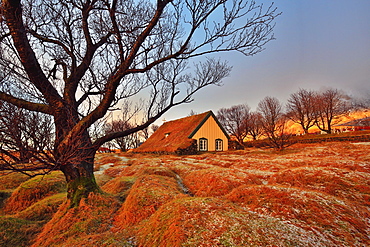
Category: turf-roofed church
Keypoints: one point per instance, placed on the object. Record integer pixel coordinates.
(188, 135)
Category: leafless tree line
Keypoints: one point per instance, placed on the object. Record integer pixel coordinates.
(308, 108)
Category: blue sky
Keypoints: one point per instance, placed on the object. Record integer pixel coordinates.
(319, 44)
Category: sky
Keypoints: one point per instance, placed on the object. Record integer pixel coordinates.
(319, 44)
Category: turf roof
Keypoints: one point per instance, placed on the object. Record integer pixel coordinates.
(175, 135)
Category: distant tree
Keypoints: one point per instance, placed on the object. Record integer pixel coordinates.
(147, 132)
(154, 128)
(75, 60)
(301, 109)
(235, 120)
(255, 125)
(125, 142)
(274, 122)
(330, 105)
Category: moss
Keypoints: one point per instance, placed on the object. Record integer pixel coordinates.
(81, 188)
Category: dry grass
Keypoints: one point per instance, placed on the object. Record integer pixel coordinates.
(339, 221)
(308, 195)
(17, 232)
(43, 209)
(147, 194)
(33, 190)
(204, 221)
(12, 180)
(213, 181)
(68, 227)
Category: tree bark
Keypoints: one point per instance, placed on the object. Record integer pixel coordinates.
(74, 155)
(80, 180)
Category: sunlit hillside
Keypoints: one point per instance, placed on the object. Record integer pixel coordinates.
(307, 195)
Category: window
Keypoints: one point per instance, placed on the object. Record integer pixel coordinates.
(203, 144)
(219, 145)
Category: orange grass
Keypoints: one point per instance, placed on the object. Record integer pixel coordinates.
(43, 209)
(33, 190)
(343, 183)
(308, 195)
(213, 182)
(93, 217)
(118, 185)
(147, 194)
(204, 221)
(12, 180)
(338, 221)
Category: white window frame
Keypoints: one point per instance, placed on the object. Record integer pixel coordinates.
(203, 144)
(219, 145)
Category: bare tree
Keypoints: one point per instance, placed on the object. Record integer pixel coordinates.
(235, 120)
(330, 105)
(255, 125)
(125, 142)
(301, 109)
(274, 122)
(74, 60)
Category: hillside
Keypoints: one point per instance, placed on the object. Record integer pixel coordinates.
(307, 195)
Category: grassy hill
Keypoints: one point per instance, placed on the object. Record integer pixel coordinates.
(308, 195)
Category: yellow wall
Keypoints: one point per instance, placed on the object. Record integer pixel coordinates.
(211, 131)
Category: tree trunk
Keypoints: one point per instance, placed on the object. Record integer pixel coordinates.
(80, 179)
(76, 160)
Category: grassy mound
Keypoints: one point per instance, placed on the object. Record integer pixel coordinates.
(71, 227)
(33, 190)
(214, 222)
(119, 186)
(147, 194)
(44, 209)
(12, 180)
(337, 221)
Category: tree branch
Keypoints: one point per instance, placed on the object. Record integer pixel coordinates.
(26, 104)
(12, 11)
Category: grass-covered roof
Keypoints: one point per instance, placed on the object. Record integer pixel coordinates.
(174, 135)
